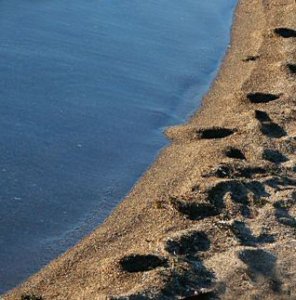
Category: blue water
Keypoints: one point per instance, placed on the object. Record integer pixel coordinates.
(86, 89)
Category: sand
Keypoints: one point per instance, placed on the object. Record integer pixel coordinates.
(215, 216)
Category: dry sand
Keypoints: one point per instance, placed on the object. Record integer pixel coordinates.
(215, 216)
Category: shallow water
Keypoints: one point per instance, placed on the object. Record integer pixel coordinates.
(87, 88)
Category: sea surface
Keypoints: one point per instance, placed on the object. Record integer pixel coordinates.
(86, 89)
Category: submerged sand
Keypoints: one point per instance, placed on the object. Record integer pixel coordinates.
(215, 216)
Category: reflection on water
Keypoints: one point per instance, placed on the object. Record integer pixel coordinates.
(86, 89)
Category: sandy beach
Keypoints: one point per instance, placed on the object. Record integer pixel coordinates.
(215, 216)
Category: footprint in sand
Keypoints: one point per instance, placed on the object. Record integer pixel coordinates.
(188, 244)
(285, 32)
(193, 282)
(142, 263)
(194, 211)
(274, 156)
(268, 127)
(261, 264)
(214, 133)
(282, 212)
(235, 153)
(246, 237)
(259, 97)
(251, 58)
(291, 68)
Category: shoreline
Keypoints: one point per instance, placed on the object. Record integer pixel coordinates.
(218, 198)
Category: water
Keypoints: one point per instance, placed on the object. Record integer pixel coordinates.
(86, 89)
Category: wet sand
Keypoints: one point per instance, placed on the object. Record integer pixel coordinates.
(215, 216)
